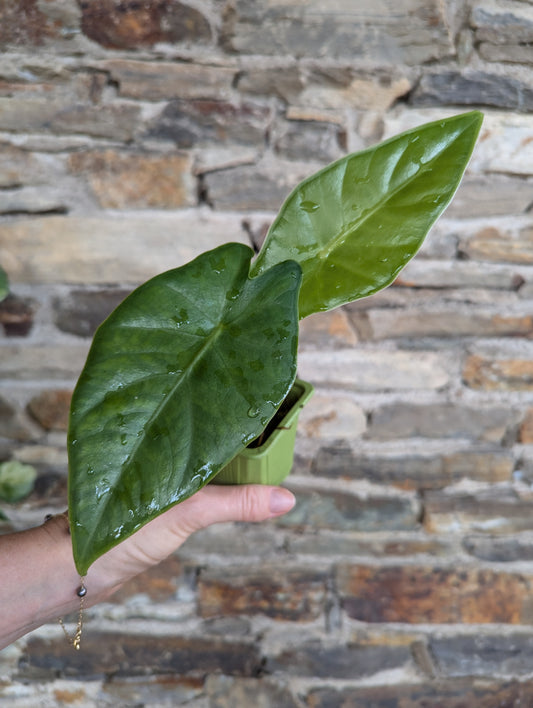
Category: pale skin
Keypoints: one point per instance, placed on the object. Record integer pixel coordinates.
(39, 579)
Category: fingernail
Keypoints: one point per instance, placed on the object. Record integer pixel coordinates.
(281, 501)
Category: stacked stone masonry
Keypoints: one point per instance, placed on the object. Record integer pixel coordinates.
(135, 135)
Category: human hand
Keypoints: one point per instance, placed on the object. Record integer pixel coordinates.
(162, 536)
(39, 579)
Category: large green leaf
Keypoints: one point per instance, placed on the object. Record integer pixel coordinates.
(355, 224)
(181, 377)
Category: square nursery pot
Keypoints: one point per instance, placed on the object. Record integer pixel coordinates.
(269, 458)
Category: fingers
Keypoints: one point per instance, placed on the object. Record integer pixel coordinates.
(248, 502)
(156, 540)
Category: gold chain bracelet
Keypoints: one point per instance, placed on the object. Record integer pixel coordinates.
(81, 592)
(75, 639)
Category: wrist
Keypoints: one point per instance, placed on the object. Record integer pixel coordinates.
(98, 583)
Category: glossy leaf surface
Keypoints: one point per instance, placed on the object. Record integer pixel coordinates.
(355, 224)
(181, 377)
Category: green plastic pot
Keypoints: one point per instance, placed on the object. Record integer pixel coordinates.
(269, 458)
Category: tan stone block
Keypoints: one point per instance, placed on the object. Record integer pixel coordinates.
(371, 93)
(50, 456)
(159, 583)
(117, 121)
(32, 200)
(329, 504)
(51, 409)
(216, 158)
(27, 362)
(162, 81)
(498, 23)
(374, 369)
(498, 374)
(433, 594)
(490, 195)
(506, 140)
(320, 114)
(138, 180)
(405, 32)
(497, 509)
(435, 468)
(491, 244)
(12, 424)
(388, 324)
(286, 82)
(337, 543)
(441, 420)
(515, 53)
(327, 417)
(526, 428)
(57, 83)
(260, 541)
(296, 594)
(18, 167)
(109, 249)
(260, 187)
(327, 329)
(422, 273)
(489, 467)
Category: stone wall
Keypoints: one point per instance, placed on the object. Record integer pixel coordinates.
(134, 135)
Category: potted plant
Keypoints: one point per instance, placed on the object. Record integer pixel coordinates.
(193, 365)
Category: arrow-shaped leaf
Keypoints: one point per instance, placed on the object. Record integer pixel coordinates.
(180, 378)
(355, 224)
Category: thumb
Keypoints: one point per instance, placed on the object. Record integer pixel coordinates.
(247, 502)
(212, 504)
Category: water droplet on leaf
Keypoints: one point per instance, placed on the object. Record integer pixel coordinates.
(102, 489)
(232, 294)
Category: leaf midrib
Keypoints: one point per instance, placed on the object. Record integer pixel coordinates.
(332, 245)
(212, 336)
(102, 508)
